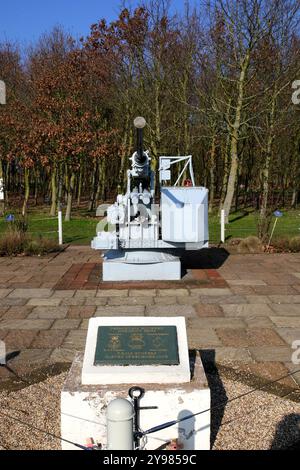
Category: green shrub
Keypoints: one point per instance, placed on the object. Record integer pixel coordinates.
(16, 242)
(281, 244)
(294, 244)
(49, 245)
(41, 246)
(285, 244)
(12, 243)
(250, 245)
(19, 225)
(32, 247)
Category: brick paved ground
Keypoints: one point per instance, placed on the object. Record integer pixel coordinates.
(244, 309)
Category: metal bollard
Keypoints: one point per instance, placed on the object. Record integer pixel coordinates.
(60, 230)
(119, 415)
(223, 226)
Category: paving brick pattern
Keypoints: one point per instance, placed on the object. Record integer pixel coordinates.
(88, 276)
(246, 308)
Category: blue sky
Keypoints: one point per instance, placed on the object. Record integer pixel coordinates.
(23, 21)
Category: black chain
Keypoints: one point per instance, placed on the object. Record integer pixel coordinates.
(219, 405)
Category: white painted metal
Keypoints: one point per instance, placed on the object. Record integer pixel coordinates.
(119, 416)
(60, 228)
(139, 256)
(139, 122)
(184, 214)
(136, 222)
(223, 226)
(140, 265)
(165, 164)
(114, 270)
(101, 210)
(181, 173)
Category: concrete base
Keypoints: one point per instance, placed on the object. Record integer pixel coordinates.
(83, 409)
(141, 266)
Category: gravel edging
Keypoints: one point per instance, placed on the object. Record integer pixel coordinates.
(261, 420)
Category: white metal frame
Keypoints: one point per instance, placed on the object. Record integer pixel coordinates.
(166, 162)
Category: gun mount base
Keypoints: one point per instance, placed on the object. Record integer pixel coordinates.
(137, 265)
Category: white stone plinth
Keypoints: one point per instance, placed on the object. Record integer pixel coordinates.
(113, 374)
(83, 409)
(139, 265)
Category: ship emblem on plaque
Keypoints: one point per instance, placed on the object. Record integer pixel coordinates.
(136, 341)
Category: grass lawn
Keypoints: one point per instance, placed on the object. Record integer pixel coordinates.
(79, 231)
(82, 228)
(244, 223)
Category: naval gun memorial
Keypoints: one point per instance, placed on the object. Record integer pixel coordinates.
(150, 224)
(146, 230)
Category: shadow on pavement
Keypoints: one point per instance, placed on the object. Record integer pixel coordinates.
(17, 381)
(287, 434)
(218, 394)
(207, 258)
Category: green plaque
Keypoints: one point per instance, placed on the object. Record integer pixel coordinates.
(136, 345)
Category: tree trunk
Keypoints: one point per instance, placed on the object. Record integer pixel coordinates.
(7, 183)
(79, 186)
(103, 179)
(26, 195)
(226, 160)
(237, 192)
(231, 183)
(245, 198)
(294, 198)
(225, 178)
(70, 197)
(123, 173)
(235, 133)
(94, 187)
(263, 223)
(99, 182)
(295, 173)
(212, 173)
(67, 183)
(155, 141)
(127, 137)
(36, 187)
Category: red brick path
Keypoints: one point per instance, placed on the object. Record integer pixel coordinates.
(89, 276)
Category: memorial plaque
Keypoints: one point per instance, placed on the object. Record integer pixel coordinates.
(136, 345)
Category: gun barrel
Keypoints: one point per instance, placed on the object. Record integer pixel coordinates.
(141, 157)
(140, 123)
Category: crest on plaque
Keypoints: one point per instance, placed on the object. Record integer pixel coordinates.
(136, 341)
(114, 342)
